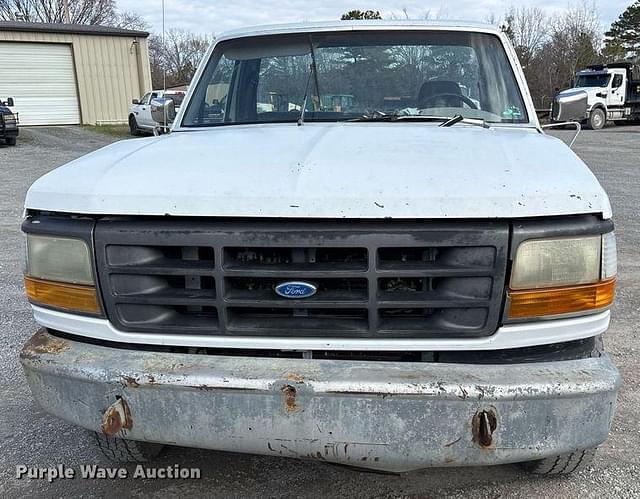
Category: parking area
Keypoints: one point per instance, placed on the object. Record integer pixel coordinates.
(30, 437)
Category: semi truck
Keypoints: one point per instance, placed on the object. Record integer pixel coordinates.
(382, 289)
(613, 93)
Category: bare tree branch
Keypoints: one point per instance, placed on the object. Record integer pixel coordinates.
(52, 11)
(179, 56)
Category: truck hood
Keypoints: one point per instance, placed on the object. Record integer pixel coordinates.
(346, 170)
(590, 91)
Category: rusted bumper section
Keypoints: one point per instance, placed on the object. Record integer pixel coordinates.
(382, 415)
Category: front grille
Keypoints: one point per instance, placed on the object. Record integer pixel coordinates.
(373, 279)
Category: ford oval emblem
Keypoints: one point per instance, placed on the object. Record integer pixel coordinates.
(296, 289)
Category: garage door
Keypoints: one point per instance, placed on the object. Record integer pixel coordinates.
(41, 79)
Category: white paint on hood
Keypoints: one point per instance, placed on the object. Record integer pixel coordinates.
(332, 170)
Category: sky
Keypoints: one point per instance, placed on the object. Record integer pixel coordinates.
(216, 16)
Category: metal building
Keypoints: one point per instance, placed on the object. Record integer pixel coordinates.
(72, 74)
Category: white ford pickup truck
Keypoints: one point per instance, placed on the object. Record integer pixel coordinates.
(356, 245)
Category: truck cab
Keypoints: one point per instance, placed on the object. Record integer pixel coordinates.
(336, 254)
(613, 93)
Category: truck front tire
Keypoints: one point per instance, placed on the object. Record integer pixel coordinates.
(562, 464)
(133, 126)
(597, 119)
(11, 141)
(120, 450)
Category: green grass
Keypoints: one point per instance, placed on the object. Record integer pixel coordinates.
(119, 131)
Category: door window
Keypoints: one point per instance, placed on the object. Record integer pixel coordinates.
(617, 81)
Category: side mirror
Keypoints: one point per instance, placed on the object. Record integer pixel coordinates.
(10, 102)
(570, 106)
(135, 101)
(163, 111)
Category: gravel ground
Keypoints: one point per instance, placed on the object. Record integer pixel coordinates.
(29, 436)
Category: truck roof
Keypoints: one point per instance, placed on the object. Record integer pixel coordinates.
(611, 65)
(357, 25)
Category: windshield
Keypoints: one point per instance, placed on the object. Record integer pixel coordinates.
(597, 80)
(354, 75)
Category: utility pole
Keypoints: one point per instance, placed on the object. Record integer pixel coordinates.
(164, 63)
(66, 18)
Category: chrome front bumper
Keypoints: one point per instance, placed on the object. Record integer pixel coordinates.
(381, 415)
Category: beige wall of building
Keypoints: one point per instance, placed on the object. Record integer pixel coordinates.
(111, 70)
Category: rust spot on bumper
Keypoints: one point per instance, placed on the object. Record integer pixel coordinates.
(136, 381)
(483, 424)
(296, 378)
(117, 417)
(42, 343)
(130, 382)
(290, 402)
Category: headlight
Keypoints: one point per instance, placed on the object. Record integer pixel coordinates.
(546, 263)
(59, 274)
(10, 120)
(562, 276)
(59, 259)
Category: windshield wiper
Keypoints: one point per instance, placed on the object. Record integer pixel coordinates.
(446, 121)
(375, 116)
(470, 121)
(313, 73)
(456, 119)
(380, 116)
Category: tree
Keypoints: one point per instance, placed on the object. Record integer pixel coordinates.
(623, 39)
(360, 14)
(575, 40)
(53, 11)
(178, 56)
(428, 14)
(527, 28)
(102, 12)
(130, 20)
(552, 48)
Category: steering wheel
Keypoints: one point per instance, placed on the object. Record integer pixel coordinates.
(460, 97)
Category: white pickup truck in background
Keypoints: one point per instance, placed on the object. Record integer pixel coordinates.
(140, 119)
(337, 253)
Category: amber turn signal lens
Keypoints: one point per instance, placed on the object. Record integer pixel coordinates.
(558, 301)
(68, 297)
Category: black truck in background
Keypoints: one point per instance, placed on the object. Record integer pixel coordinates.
(8, 123)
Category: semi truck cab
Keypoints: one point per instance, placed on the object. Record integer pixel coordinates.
(613, 93)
